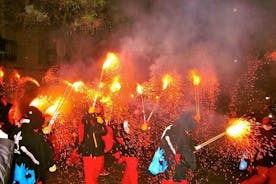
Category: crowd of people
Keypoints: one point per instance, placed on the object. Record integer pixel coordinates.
(27, 154)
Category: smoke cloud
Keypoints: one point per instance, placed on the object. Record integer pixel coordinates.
(178, 35)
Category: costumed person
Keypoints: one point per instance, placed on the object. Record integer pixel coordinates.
(91, 144)
(6, 157)
(33, 155)
(109, 142)
(127, 139)
(179, 150)
(264, 160)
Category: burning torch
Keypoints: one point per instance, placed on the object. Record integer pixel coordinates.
(167, 79)
(239, 129)
(59, 103)
(110, 61)
(1, 76)
(139, 90)
(196, 80)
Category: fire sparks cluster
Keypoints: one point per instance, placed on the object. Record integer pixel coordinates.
(157, 102)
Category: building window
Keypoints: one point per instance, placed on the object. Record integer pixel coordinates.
(8, 50)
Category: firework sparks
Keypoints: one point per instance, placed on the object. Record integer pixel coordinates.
(139, 90)
(239, 128)
(41, 102)
(167, 79)
(55, 107)
(116, 85)
(1, 75)
(196, 78)
(111, 62)
(196, 81)
(16, 75)
(77, 86)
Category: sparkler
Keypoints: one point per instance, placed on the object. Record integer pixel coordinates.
(116, 85)
(139, 90)
(239, 129)
(110, 61)
(196, 81)
(167, 79)
(1, 76)
(66, 94)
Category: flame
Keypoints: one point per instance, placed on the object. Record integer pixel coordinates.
(41, 102)
(110, 61)
(16, 75)
(55, 107)
(195, 77)
(139, 89)
(167, 79)
(106, 100)
(1, 72)
(101, 85)
(239, 128)
(77, 86)
(115, 86)
(30, 79)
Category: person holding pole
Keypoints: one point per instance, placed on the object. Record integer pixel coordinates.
(91, 143)
(179, 149)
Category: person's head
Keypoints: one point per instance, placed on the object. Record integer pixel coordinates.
(35, 117)
(97, 108)
(185, 120)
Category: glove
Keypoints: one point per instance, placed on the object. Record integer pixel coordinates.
(177, 157)
(117, 155)
(100, 120)
(53, 168)
(47, 129)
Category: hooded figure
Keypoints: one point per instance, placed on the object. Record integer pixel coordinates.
(178, 146)
(91, 144)
(33, 154)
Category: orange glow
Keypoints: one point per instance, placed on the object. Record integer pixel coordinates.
(111, 60)
(40, 102)
(1, 73)
(30, 79)
(195, 77)
(139, 89)
(239, 128)
(115, 86)
(106, 100)
(77, 86)
(16, 75)
(167, 79)
(53, 108)
(101, 85)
